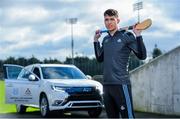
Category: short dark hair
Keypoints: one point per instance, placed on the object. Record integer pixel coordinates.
(111, 12)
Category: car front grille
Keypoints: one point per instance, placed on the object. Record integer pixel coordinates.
(80, 90)
(80, 95)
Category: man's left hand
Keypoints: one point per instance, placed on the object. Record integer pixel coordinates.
(136, 31)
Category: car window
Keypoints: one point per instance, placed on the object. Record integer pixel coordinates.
(62, 73)
(37, 72)
(24, 74)
(13, 72)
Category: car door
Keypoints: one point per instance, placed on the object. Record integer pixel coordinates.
(29, 89)
(12, 90)
(35, 85)
(18, 88)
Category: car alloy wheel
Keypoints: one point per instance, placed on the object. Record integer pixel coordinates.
(44, 107)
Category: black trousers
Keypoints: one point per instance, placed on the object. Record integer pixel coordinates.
(118, 101)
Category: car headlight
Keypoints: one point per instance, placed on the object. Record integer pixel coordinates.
(100, 89)
(57, 88)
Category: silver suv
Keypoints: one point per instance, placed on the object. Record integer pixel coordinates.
(52, 87)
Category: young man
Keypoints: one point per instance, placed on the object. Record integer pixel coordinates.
(114, 52)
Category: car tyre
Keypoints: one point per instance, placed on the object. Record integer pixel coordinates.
(95, 112)
(44, 106)
(20, 108)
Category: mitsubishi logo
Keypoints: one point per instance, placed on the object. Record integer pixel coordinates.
(28, 92)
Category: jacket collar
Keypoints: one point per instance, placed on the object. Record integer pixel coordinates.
(114, 33)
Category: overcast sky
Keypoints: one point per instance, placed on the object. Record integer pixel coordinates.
(39, 27)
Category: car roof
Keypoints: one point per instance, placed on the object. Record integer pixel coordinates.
(52, 65)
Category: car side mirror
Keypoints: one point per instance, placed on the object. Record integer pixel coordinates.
(89, 77)
(32, 77)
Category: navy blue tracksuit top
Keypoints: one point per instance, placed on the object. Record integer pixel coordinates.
(114, 53)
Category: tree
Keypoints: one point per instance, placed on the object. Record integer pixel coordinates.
(156, 52)
(33, 60)
(134, 62)
(51, 61)
(88, 66)
(22, 61)
(10, 60)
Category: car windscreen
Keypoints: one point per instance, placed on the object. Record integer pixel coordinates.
(62, 73)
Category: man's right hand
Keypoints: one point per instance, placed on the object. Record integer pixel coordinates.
(97, 35)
